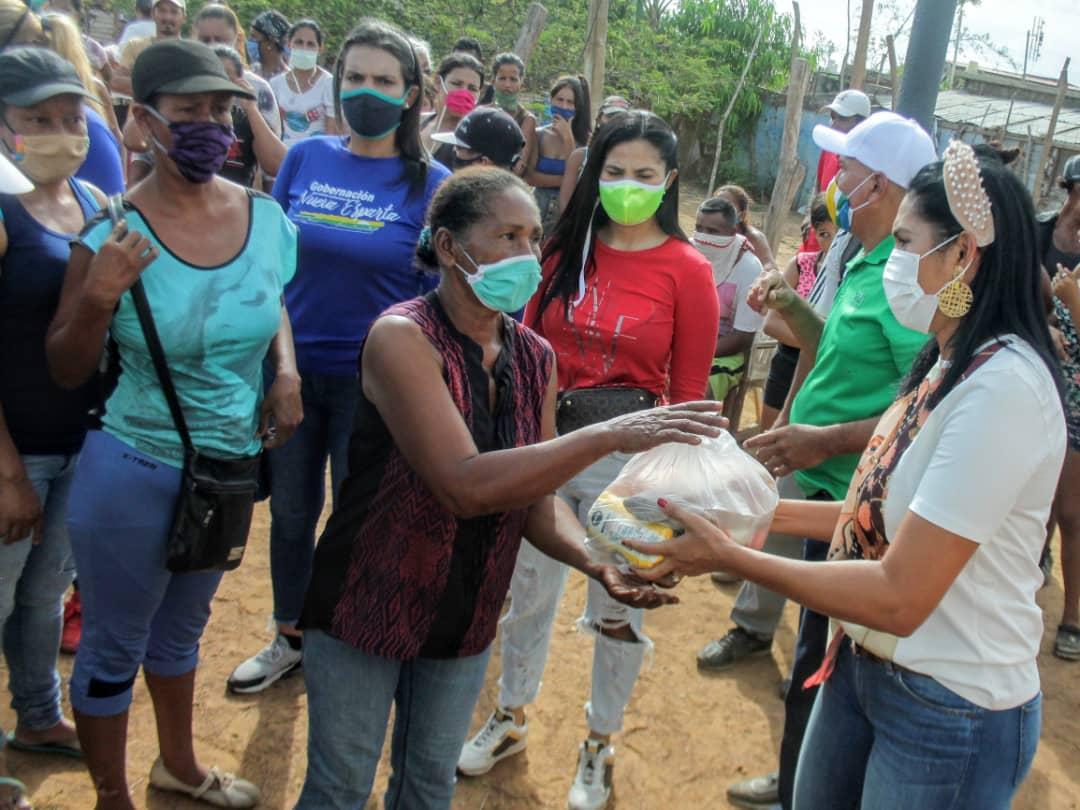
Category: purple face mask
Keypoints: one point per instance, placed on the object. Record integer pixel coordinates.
(199, 147)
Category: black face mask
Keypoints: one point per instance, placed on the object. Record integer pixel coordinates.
(370, 114)
(462, 163)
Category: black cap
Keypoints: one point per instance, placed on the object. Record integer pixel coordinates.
(1071, 172)
(491, 132)
(180, 66)
(30, 75)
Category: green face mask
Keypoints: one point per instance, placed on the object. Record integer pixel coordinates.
(506, 101)
(629, 202)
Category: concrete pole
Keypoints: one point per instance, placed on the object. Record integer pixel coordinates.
(926, 60)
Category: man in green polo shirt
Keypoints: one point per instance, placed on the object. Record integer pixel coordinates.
(859, 355)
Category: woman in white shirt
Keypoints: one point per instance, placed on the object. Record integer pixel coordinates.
(931, 692)
(305, 92)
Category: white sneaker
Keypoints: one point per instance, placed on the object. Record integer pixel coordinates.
(270, 664)
(218, 789)
(500, 738)
(592, 783)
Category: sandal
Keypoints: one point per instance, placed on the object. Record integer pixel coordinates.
(16, 798)
(218, 789)
(1067, 643)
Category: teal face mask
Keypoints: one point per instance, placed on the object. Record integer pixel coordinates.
(506, 285)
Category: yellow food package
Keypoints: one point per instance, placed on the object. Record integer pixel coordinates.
(610, 522)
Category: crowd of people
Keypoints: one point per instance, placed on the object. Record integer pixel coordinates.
(476, 312)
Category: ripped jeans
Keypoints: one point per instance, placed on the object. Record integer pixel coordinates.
(535, 590)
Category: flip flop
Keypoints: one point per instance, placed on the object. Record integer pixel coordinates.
(61, 749)
(18, 800)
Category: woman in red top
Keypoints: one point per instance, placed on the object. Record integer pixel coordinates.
(630, 309)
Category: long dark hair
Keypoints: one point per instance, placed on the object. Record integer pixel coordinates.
(1008, 286)
(378, 34)
(584, 214)
(582, 123)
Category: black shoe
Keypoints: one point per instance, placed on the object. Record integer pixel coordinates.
(738, 644)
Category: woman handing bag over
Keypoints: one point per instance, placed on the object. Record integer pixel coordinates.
(941, 632)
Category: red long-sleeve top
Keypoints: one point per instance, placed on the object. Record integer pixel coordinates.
(649, 319)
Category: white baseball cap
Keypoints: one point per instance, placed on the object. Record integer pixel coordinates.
(12, 181)
(850, 102)
(885, 142)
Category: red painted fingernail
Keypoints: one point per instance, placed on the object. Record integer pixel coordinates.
(662, 502)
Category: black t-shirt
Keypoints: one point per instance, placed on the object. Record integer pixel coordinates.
(1048, 252)
(241, 163)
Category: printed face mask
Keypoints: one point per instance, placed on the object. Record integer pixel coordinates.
(629, 202)
(48, 158)
(199, 148)
(911, 304)
(722, 252)
(506, 101)
(560, 112)
(839, 204)
(506, 285)
(253, 53)
(371, 114)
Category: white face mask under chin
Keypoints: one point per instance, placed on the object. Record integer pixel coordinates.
(911, 304)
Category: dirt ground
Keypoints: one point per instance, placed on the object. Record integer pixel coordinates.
(687, 736)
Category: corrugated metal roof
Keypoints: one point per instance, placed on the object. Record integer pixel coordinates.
(985, 112)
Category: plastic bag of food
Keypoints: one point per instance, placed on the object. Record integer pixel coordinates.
(716, 477)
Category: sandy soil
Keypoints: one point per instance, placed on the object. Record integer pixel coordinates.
(686, 738)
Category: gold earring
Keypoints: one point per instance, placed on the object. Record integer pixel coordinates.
(955, 299)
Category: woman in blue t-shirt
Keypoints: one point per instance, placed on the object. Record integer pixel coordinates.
(359, 203)
(41, 426)
(217, 305)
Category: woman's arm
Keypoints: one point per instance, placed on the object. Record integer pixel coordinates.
(814, 519)
(761, 248)
(282, 408)
(20, 506)
(268, 147)
(894, 595)
(570, 177)
(697, 322)
(528, 129)
(402, 377)
(93, 284)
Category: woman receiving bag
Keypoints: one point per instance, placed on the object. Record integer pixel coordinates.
(931, 688)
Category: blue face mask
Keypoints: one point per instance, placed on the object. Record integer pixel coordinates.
(560, 112)
(506, 285)
(253, 54)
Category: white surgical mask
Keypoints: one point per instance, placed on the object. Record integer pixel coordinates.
(911, 304)
(303, 59)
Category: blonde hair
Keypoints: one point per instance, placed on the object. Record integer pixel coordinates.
(12, 13)
(66, 40)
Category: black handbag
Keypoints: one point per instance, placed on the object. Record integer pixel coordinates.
(217, 495)
(587, 406)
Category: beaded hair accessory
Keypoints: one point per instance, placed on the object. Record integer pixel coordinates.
(967, 197)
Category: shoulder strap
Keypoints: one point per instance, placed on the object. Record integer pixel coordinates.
(153, 342)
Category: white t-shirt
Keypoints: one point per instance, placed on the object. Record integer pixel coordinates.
(303, 114)
(735, 313)
(985, 466)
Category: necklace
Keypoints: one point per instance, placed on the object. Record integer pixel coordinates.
(292, 74)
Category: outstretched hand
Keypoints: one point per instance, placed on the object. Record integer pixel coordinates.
(631, 589)
(701, 549)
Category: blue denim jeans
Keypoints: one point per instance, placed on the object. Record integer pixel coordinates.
(298, 485)
(349, 698)
(884, 738)
(32, 584)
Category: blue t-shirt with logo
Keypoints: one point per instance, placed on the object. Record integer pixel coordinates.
(215, 324)
(359, 226)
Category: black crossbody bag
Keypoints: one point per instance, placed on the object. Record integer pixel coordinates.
(217, 495)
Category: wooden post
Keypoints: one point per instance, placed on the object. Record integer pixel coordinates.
(1038, 192)
(791, 171)
(956, 45)
(596, 51)
(847, 49)
(862, 44)
(894, 72)
(535, 18)
(731, 106)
